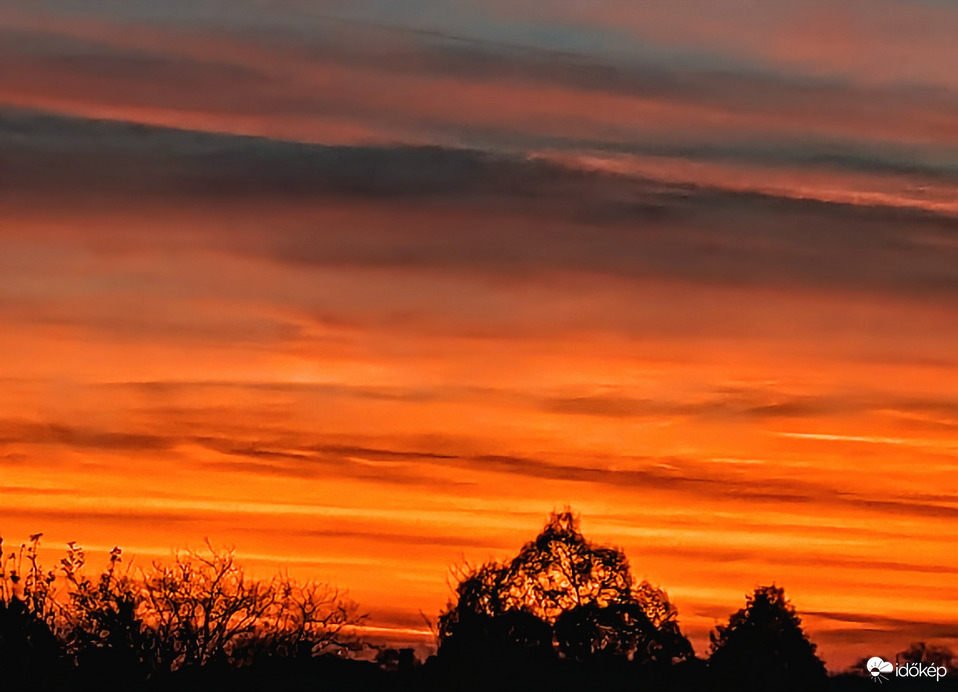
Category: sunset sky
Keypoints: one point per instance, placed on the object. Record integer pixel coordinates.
(366, 288)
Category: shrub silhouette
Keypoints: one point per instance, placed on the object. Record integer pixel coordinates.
(198, 610)
(560, 595)
(920, 652)
(29, 649)
(763, 647)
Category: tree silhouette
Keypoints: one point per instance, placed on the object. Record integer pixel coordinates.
(563, 614)
(592, 631)
(763, 647)
(561, 570)
(567, 591)
(511, 638)
(920, 652)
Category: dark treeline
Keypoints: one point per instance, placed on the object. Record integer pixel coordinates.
(564, 614)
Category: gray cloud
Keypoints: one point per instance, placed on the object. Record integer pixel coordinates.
(31, 432)
(138, 321)
(904, 627)
(233, 81)
(460, 541)
(585, 222)
(683, 476)
(747, 404)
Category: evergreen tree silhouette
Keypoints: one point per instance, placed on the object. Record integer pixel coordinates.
(763, 647)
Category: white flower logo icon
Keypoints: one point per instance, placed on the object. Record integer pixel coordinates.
(876, 666)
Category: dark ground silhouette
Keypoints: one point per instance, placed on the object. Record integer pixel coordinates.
(564, 614)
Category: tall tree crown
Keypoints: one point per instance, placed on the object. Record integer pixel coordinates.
(764, 645)
(583, 591)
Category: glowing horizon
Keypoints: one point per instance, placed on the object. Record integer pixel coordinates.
(363, 291)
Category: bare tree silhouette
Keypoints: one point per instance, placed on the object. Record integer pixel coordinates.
(198, 609)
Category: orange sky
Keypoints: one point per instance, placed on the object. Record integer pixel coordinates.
(694, 274)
